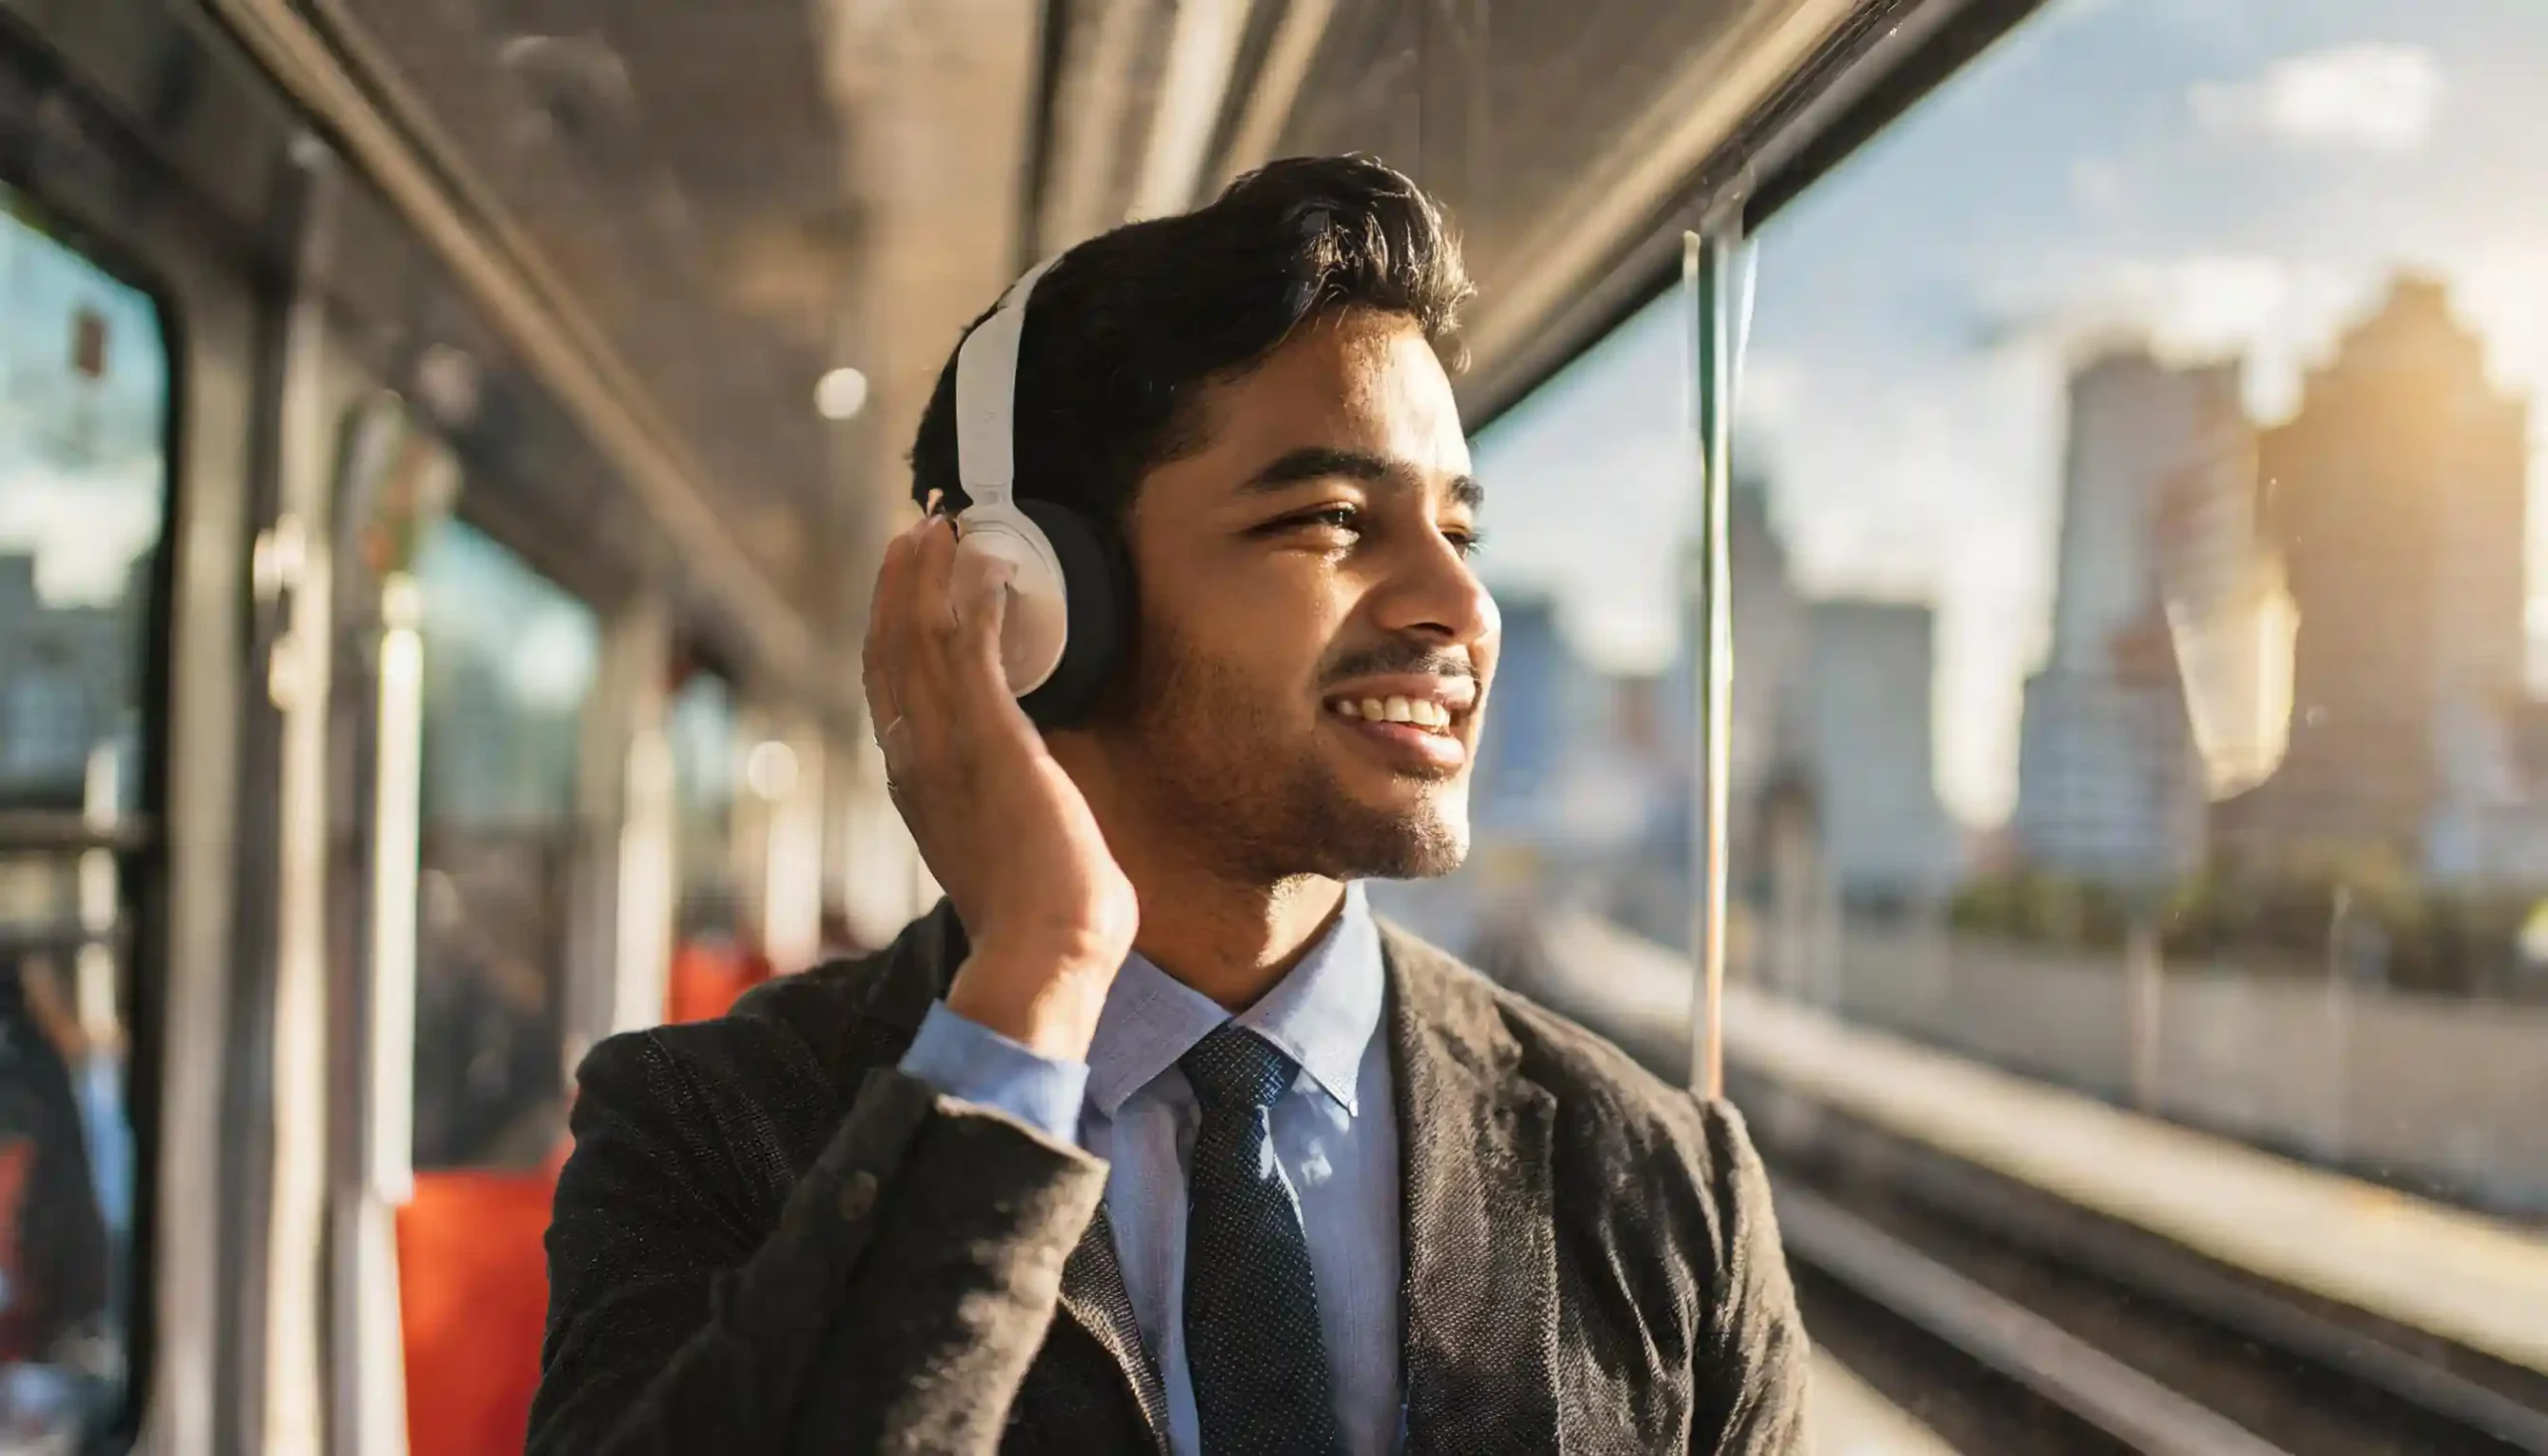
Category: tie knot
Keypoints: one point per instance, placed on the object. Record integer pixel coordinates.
(1235, 1068)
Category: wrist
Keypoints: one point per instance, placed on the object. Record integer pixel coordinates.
(1046, 1002)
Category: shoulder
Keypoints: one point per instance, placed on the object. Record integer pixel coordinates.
(1637, 1137)
(769, 1081)
(1660, 1207)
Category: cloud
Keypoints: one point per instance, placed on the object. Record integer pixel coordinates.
(2370, 97)
(2199, 305)
(84, 527)
(2275, 315)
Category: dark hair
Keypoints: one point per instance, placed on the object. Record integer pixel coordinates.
(1129, 325)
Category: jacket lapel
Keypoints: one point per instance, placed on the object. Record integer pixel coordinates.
(1480, 1293)
(1094, 1298)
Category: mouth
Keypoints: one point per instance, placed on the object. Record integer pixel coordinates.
(1422, 730)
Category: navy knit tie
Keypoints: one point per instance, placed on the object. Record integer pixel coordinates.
(1252, 1343)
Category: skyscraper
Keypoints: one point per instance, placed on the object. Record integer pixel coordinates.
(1868, 693)
(2396, 498)
(2158, 542)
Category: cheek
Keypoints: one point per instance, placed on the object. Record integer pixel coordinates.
(1253, 634)
(1241, 676)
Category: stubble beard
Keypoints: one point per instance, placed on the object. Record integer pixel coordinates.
(1257, 802)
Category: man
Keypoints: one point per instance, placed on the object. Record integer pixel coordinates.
(1153, 1137)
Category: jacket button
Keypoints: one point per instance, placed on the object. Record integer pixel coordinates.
(857, 1196)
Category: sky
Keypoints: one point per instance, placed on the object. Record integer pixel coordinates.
(83, 479)
(2218, 178)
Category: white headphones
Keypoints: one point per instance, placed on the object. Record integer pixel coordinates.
(1065, 614)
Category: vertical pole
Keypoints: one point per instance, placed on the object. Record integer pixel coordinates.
(290, 571)
(370, 1357)
(646, 876)
(1708, 261)
(792, 893)
(621, 941)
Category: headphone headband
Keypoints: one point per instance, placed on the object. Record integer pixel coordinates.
(1069, 595)
(986, 396)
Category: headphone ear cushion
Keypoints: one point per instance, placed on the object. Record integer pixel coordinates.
(1098, 590)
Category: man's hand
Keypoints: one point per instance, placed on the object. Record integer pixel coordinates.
(1049, 913)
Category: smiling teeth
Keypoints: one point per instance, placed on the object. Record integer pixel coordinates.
(1421, 713)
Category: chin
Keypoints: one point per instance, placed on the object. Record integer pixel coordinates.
(1422, 841)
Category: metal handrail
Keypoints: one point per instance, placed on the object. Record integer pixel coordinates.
(69, 831)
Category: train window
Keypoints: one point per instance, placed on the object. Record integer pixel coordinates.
(510, 663)
(2145, 437)
(714, 958)
(84, 380)
(2141, 646)
(706, 743)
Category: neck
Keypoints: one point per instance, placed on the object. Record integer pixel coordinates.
(1228, 935)
(1232, 941)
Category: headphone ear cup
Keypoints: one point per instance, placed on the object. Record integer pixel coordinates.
(1098, 592)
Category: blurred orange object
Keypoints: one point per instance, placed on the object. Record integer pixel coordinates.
(473, 1286)
(17, 1304)
(473, 1268)
(708, 978)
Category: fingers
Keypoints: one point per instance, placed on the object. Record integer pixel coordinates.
(975, 679)
(911, 612)
(897, 672)
(931, 620)
(884, 610)
(933, 675)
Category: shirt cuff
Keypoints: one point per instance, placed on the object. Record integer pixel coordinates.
(969, 1062)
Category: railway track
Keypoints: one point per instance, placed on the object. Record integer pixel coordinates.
(2013, 1322)
(2000, 1346)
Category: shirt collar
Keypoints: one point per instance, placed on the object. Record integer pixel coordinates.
(1322, 1014)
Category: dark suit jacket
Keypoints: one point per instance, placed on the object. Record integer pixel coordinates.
(770, 1240)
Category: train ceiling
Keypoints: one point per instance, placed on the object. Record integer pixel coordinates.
(737, 196)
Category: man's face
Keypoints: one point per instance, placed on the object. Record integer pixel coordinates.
(1314, 648)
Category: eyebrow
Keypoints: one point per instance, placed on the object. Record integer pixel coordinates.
(1321, 462)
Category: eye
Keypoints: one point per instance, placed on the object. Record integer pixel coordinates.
(1468, 540)
(1331, 518)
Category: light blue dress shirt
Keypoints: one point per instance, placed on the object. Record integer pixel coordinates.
(1335, 1136)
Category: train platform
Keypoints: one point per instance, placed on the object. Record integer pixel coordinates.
(2456, 1275)
(1847, 1417)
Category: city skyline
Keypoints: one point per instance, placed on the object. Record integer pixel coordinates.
(2224, 181)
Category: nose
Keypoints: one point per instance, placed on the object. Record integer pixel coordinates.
(1432, 591)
